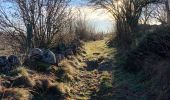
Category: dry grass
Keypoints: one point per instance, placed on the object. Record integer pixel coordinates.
(77, 62)
(63, 88)
(67, 67)
(59, 82)
(5, 52)
(99, 49)
(66, 71)
(15, 94)
(22, 71)
(24, 81)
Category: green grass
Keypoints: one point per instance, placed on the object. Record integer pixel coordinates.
(98, 47)
(76, 81)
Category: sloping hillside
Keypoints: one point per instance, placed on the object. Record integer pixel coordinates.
(76, 77)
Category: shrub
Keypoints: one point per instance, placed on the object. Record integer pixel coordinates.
(154, 45)
(144, 70)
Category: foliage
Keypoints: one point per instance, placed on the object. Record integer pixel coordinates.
(155, 44)
(126, 13)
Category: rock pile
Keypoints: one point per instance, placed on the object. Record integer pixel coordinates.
(8, 63)
(49, 57)
(40, 59)
(41, 56)
(35, 54)
(70, 49)
(46, 56)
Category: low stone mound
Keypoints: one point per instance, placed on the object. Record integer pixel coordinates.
(14, 60)
(8, 64)
(49, 57)
(35, 54)
(40, 60)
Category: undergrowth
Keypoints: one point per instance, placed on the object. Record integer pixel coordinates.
(142, 72)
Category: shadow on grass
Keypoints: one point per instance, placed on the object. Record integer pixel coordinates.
(92, 65)
(121, 86)
(100, 66)
(105, 91)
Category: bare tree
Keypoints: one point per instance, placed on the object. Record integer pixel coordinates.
(162, 12)
(147, 14)
(126, 14)
(167, 7)
(130, 9)
(34, 23)
(159, 13)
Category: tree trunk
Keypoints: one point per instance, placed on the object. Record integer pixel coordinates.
(29, 36)
(168, 11)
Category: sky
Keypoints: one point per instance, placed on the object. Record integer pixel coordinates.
(99, 19)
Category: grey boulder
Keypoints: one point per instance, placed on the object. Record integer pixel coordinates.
(4, 65)
(13, 60)
(35, 54)
(3, 61)
(49, 57)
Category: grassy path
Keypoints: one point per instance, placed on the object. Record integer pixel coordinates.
(99, 61)
(85, 76)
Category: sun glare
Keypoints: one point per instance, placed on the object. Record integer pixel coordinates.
(119, 2)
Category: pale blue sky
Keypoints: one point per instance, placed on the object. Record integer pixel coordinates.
(78, 2)
(98, 19)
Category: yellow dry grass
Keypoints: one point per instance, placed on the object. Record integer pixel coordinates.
(5, 52)
(16, 94)
(68, 68)
(97, 49)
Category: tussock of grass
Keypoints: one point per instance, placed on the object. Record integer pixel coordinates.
(74, 64)
(79, 58)
(22, 78)
(15, 94)
(42, 85)
(23, 81)
(60, 87)
(77, 62)
(66, 71)
(67, 67)
(20, 71)
(45, 89)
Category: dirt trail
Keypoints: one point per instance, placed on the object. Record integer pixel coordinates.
(99, 61)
